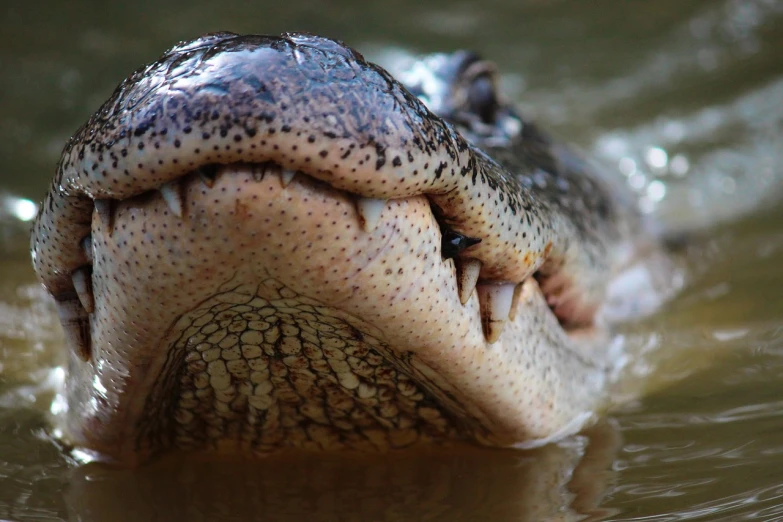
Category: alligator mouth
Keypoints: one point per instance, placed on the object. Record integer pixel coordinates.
(498, 300)
(281, 312)
(245, 255)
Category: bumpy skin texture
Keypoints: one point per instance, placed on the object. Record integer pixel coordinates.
(211, 301)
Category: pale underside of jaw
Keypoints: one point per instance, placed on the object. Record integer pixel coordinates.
(299, 315)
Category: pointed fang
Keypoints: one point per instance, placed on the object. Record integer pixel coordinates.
(104, 209)
(82, 282)
(76, 325)
(287, 176)
(172, 194)
(87, 247)
(467, 276)
(260, 171)
(370, 211)
(512, 314)
(495, 300)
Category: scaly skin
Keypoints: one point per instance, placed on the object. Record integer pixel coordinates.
(212, 300)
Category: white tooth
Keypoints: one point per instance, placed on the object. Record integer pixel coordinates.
(172, 193)
(76, 326)
(104, 209)
(82, 282)
(495, 300)
(370, 211)
(259, 171)
(515, 301)
(286, 176)
(87, 247)
(467, 276)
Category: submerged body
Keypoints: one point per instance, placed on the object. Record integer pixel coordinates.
(265, 242)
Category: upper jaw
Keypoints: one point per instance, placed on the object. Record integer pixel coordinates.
(349, 125)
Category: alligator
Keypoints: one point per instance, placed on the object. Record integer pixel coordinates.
(265, 243)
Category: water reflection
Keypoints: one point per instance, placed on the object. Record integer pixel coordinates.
(562, 482)
(717, 164)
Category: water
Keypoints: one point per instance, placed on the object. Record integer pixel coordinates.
(684, 100)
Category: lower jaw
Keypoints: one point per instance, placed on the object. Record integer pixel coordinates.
(287, 325)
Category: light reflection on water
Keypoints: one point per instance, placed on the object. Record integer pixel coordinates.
(685, 101)
(733, 167)
(14, 207)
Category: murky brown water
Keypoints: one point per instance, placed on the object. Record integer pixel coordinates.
(684, 99)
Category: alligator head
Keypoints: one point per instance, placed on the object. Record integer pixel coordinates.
(268, 242)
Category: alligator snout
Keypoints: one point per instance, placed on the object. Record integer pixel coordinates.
(266, 242)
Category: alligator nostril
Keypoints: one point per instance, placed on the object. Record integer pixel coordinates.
(452, 243)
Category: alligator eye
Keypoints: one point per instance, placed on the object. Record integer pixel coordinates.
(482, 99)
(452, 243)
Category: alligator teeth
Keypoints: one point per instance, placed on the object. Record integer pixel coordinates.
(467, 276)
(82, 282)
(87, 247)
(76, 325)
(259, 171)
(370, 211)
(104, 209)
(495, 300)
(286, 176)
(515, 301)
(172, 194)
